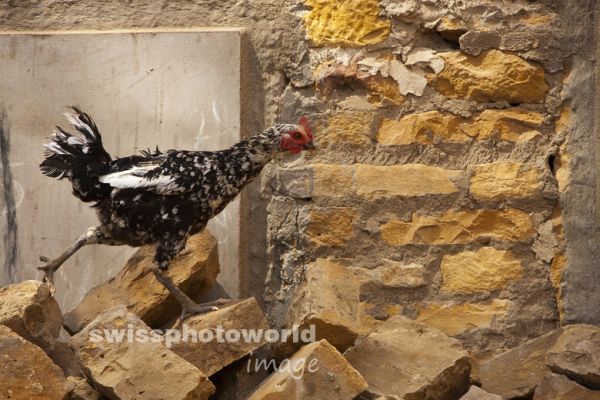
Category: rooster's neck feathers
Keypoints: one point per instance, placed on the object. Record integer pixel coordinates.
(177, 172)
(266, 143)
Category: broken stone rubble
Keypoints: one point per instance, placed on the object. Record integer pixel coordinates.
(568, 352)
(329, 300)
(212, 356)
(391, 274)
(194, 271)
(424, 362)
(559, 387)
(130, 369)
(517, 372)
(82, 390)
(576, 354)
(429, 364)
(317, 371)
(476, 393)
(240, 379)
(410, 360)
(29, 309)
(140, 369)
(26, 372)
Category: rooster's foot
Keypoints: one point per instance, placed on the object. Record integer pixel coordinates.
(48, 270)
(197, 309)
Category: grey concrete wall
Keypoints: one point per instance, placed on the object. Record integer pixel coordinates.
(275, 40)
(581, 201)
(171, 89)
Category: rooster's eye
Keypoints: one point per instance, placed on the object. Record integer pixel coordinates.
(298, 136)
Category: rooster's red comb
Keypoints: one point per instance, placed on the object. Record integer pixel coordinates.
(304, 121)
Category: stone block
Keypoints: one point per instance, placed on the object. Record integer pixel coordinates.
(491, 76)
(329, 300)
(212, 356)
(141, 368)
(474, 42)
(504, 180)
(194, 271)
(410, 360)
(27, 373)
(370, 182)
(476, 393)
(455, 319)
(331, 226)
(317, 371)
(480, 271)
(392, 274)
(512, 124)
(517, 372)
(459, 227)
(294, 182)
(346, 23)
(431, 127)
(408, 180)
(330, 180)
(82, 389)
(576, 354)
(349, 127)
(559, 387)
(422, 128)
(29, 309)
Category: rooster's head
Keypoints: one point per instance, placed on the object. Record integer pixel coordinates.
(296, 137)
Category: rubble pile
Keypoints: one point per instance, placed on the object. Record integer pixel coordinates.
(132, 345)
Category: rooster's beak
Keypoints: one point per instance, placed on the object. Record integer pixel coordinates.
(309, 146)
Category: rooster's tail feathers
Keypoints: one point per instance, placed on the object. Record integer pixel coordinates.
(67, 153)
(84, 125)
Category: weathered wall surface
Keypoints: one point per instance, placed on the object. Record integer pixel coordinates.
(452, 177)
(264, 56)
(455, 177)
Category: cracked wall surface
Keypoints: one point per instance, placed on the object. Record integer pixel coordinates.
(456, 176)
(446, 146)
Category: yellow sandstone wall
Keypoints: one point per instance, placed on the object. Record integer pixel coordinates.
(442, 130)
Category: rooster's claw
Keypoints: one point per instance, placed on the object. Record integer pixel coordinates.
(203, 308)
(48, 278)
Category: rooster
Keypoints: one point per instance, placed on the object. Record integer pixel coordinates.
(158, 198)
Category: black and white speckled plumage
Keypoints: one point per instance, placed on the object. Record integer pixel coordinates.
(155, 197)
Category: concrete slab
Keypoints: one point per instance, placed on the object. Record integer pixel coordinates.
(171, 89)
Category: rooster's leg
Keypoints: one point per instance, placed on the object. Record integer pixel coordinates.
(90, 237)
(188, 306)
(165, 252)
